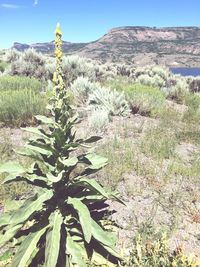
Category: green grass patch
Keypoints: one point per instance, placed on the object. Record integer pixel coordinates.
(20, 100)
(193, 103)
(19, 83)
(143, 99)
(124, 158)
(159, 143)
(3, 65)
(16, 190)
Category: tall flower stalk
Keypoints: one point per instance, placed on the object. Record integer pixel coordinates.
(58, 74)
(62, 224)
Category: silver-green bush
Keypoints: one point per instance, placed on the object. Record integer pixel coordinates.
(75, 66)
(111, 100)
(178, 90)
(81, 88)
(99, 118)
(30, 63)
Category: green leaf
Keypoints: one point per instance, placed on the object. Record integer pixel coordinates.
(12, 167)
(29, 207)
(40, 150)
(69, 162)
(11, 205)
(5, 219)
(29, 153)
(32, 179)
(53, 239)
(74, 249)
(102, 236)
(99, 260)
(12, 177)
(54, 179)
(93, 139)
(27, 249)
(36, 178)
(117, 198)
(6, 256)
(96, 161)
(9, 234)
(94, 185)
(45, 119)
(35, 130)
(84, 217)
(112, 251)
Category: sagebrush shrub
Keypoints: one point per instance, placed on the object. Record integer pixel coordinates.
(161, 71)
(30, 63)
(178, 90)
(99, 118)
(103, 72)
(12, 55)
(155, 80)
(195, 85)
(111, 100)
(81, 88)
(75, 66)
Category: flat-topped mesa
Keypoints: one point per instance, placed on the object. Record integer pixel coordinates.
(150, 34)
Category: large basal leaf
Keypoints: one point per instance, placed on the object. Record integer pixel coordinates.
(84, 217)
(5, 219)
(76, 252)
(53, 239)
(28, 249)
(37, 131)
(13, 178)
(45, 119)
(69, 162)
(12, 167)
(112, 251)
(11, 205)
(96, 161)
(54, 179)
(92, 139)
(36, 179)
(99, 260)
(40, 150)
(27, 152)
(102, 236)
(30, 179)
(29, 207)
(94, 185)
(9, 234)
(117, 198)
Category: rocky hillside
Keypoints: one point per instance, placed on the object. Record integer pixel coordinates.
(171, 46)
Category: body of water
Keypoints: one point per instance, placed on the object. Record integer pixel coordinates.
(186, 71)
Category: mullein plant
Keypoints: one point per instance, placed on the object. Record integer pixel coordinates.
(63, 222)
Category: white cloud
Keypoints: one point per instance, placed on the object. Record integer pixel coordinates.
(35, 2)
(10, 6)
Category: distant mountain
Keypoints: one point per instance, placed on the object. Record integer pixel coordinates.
(49, 47)
(170, 46)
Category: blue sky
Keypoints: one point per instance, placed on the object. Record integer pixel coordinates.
(30, 21)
